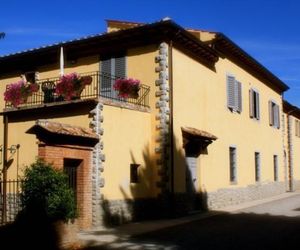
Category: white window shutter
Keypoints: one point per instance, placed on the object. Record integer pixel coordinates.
(106, 66)
(277, 116)
(271, 113)
(251, 103)
(239, 96)
(257, 105)
(120, 67)
(231, 92)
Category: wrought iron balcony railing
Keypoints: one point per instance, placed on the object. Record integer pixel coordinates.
(101, 86)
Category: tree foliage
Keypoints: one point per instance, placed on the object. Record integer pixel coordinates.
(47, 188)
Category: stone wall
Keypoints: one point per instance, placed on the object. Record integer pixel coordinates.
(231, 196)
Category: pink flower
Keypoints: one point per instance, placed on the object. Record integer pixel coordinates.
(71, 85)
(17, 93)
(127, 87)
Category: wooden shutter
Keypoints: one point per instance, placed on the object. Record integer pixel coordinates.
(257, 166)
(271, 113)
(106, 80)
(192, 171)
(251, 103)
(233, 164)
(257, 105)
(277, 115)
(231, 92)
(238, 102)
(120, 67)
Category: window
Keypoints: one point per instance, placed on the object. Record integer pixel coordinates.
(71, 169)
(234, 94)
(257, 166)
(274, 114)
(232, 162)
(111, 69)
(254, 104)
(275, 163)
(297, 128)
(134, 174)
(31, 76)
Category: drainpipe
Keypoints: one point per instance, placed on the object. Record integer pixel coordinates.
(4, 169)
(171, 114)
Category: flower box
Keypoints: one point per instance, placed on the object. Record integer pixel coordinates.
(71, 85)
(127, 87)
(18, 93)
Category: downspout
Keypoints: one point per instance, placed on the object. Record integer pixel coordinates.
(4, 169)
(170, 59)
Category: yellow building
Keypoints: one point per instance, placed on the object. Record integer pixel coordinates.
(291, 121)
(205, 129)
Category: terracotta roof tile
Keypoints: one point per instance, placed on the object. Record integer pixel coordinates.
(66, 129)
(198, 133)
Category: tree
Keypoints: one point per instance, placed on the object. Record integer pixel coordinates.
(46, 188)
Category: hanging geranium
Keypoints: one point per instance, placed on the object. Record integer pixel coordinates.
(127, 87)
(71, 85)
(18, 92)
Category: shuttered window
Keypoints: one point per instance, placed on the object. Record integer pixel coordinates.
(234, 94)
(257, 166)
(232, 165)
(274, 117)
(111, 69)
(275, 163)
(254, 104)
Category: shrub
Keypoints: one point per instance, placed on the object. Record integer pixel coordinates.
(47, 188)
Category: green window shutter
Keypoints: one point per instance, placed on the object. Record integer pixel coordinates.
(231, 92)
(238, 102)
(251, 103)
(257, 105)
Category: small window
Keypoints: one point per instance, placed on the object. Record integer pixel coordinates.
(274, 117)
(232, 165)
(275, 163)
(234, 94)
(134, 173)
(257, 166)
(254, 104)
(30, 76)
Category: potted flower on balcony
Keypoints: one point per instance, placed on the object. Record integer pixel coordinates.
(71, 85)
(127, 87)
(17, 93)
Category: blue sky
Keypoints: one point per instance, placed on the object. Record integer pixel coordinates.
(269, 30)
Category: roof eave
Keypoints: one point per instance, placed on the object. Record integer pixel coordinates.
(137, 36)
(226, 46)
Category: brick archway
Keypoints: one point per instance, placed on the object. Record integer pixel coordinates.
(60, 144)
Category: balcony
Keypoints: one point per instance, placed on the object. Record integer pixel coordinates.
(100, 87)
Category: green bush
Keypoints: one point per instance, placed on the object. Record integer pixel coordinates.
(46, 188)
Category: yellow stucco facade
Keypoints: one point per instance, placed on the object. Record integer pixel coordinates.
(184, 91)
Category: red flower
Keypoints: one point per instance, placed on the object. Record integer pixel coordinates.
(127, 87)
(71, 85)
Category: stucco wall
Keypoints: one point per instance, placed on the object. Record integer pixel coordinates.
(200, 101)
